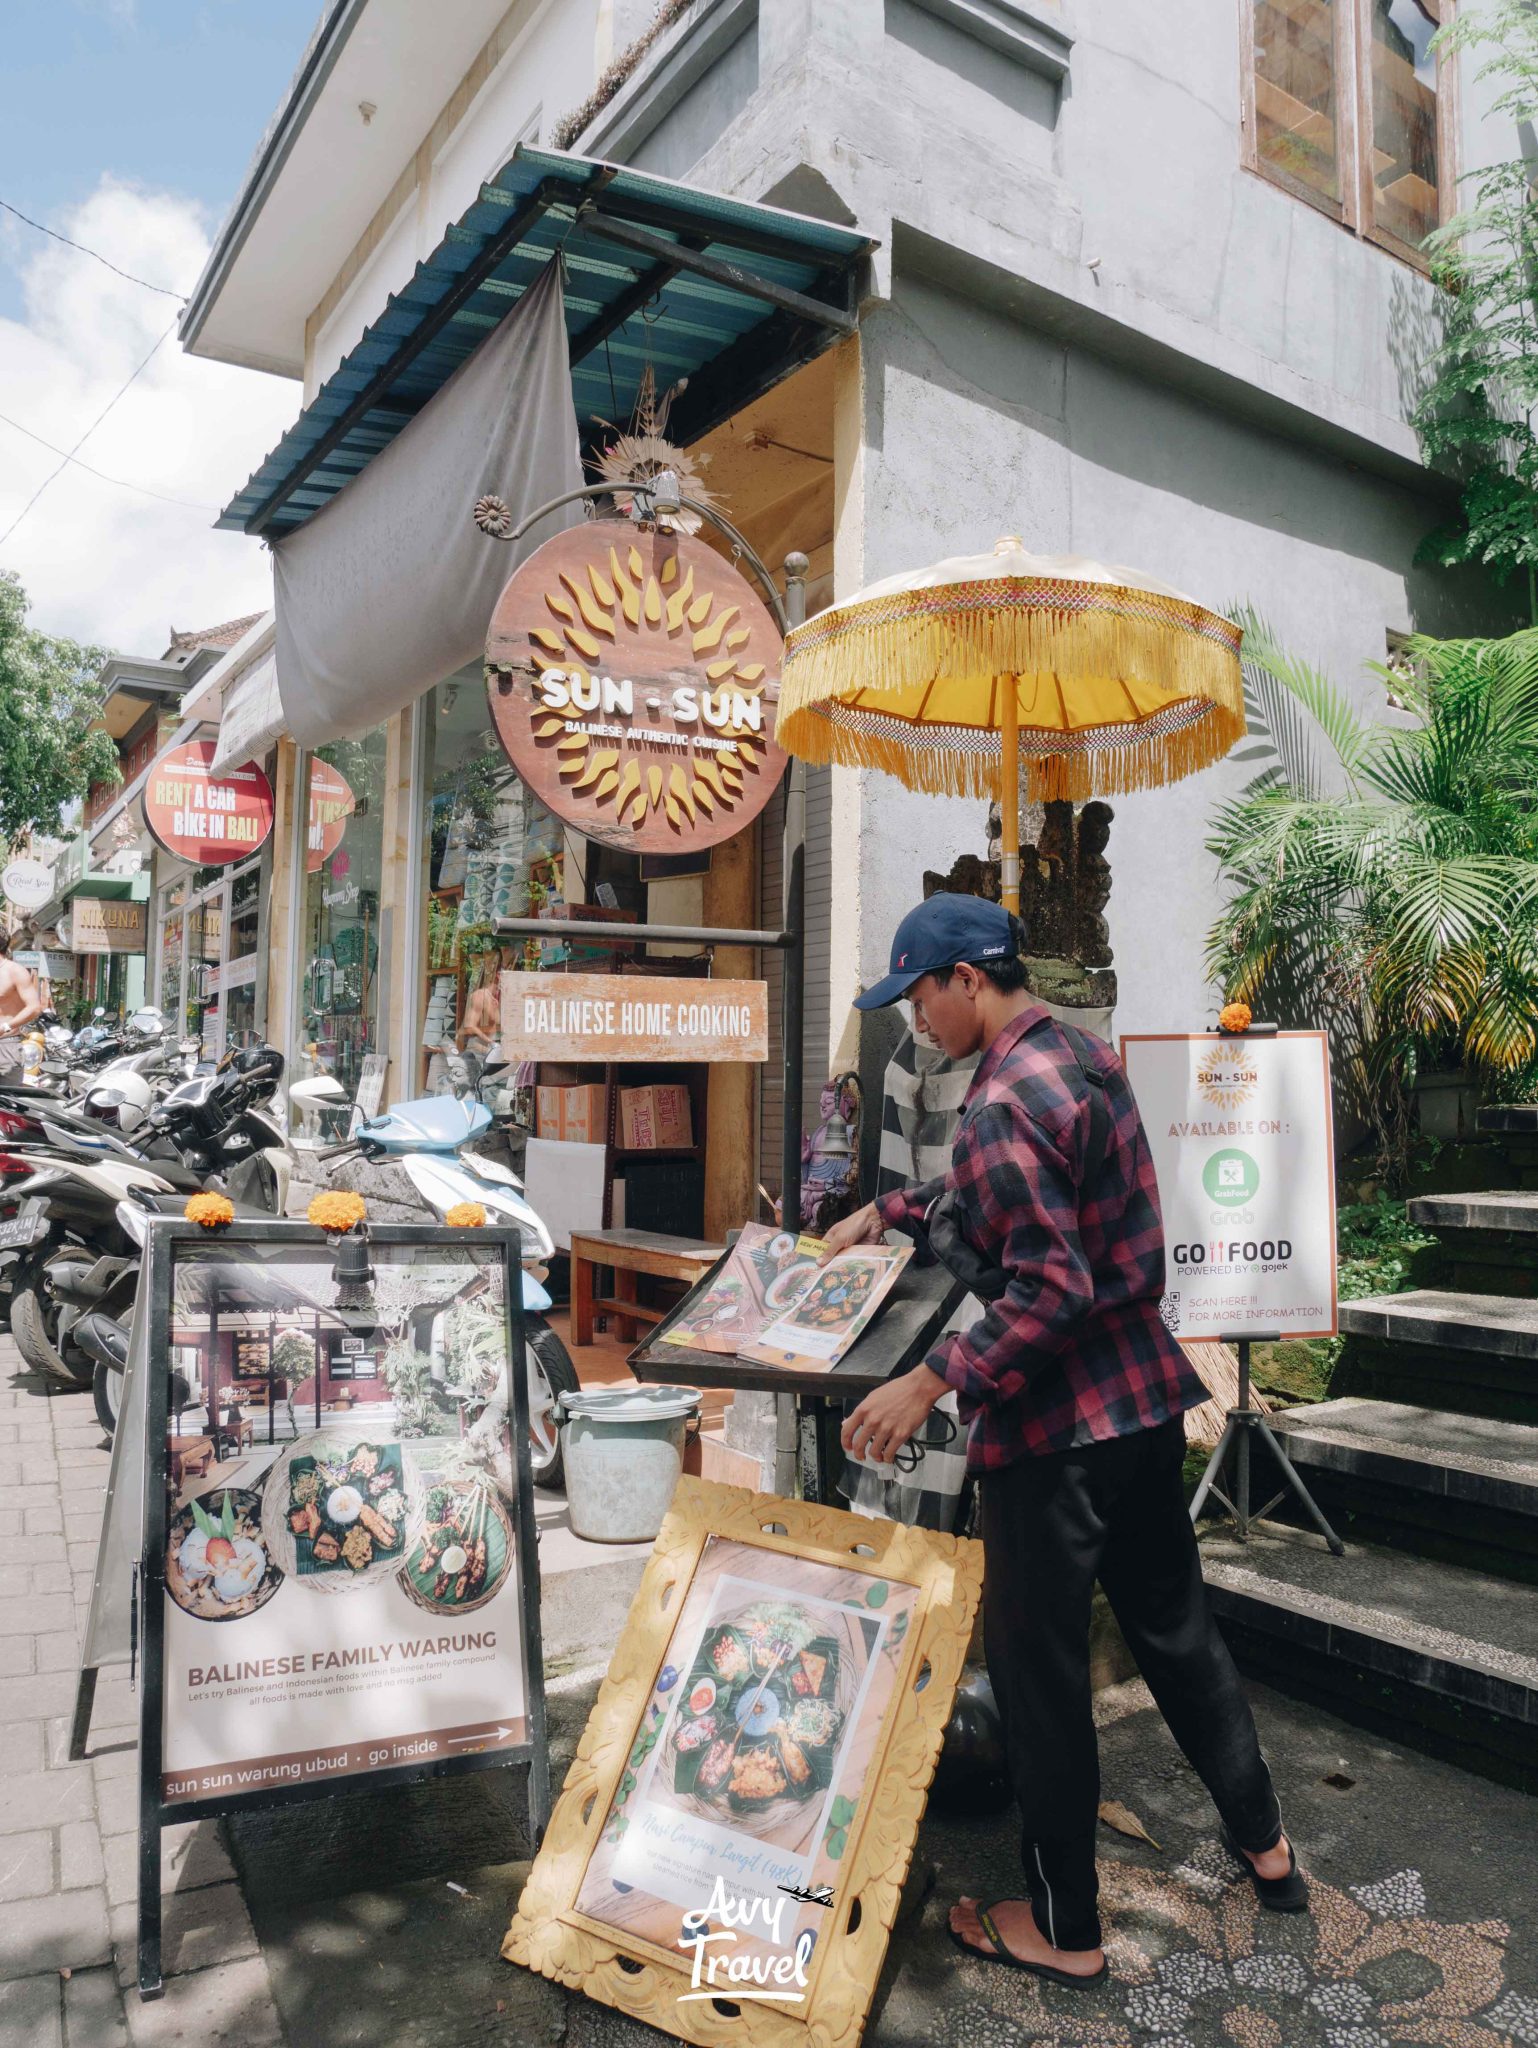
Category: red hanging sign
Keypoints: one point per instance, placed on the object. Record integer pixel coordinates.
(331, 804)
(207, 819)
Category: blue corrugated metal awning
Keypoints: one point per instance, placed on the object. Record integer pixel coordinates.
(734, 295)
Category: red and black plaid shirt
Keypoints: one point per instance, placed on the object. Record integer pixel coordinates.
(1074, 1350)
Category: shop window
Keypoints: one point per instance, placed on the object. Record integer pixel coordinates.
(339, 993)
(1345, 107)
(492, 850)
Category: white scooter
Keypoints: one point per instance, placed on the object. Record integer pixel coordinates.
(425, 1139)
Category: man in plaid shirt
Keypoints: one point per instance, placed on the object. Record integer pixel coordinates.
(1073, 1389)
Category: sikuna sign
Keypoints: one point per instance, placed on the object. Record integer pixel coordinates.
(207, 819)
(1241, 1135)
(632, 678)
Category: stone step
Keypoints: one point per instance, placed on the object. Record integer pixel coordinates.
(1473, 1354)
(1497, 1119)
(1435, 1656)
(1515, 1212)
(1460, 1488)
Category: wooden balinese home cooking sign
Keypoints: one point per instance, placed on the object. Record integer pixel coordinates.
(650, 1017)
(632, 679)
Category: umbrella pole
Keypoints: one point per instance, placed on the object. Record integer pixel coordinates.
(1009, 797)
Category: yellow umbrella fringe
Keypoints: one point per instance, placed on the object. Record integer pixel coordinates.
(873, 656)
(940, 769)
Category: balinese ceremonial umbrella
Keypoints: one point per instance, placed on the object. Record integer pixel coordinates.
(1100, 679)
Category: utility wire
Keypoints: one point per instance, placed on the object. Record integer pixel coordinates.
(121, 481)
(90, 430)
(164, 290)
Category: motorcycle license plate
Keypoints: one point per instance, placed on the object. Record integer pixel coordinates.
(20, 1231)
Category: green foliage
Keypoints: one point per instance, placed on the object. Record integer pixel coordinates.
(1476, 414)
(1375, 1244)
(1384, 881)
(293, 1356)
(49, 755)
(408, 1373)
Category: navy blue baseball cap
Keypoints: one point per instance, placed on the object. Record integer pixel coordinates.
(940, 933)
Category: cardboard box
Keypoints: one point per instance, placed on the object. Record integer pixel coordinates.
(582, 1115)
(547, 1112)
(655, 1118)
(573, 1114)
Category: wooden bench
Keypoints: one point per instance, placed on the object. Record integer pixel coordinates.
(630, 1252)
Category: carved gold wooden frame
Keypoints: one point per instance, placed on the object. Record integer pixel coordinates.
(548, 1934)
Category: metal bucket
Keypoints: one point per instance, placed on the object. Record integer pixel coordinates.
(624, 1450)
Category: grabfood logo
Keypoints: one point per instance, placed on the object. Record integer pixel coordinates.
(1226, 1076)
(1231, 1178)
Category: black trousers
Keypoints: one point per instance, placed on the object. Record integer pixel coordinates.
(1052, 1526)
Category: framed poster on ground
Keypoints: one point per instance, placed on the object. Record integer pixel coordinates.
(1243, 1146)
(736, 1827)
(357, 1600)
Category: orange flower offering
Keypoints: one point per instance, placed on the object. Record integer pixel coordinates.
(1234, 1017)
(465, 1216)
(212, 1211)
(337, 1211)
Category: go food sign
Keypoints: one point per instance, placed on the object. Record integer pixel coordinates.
(1240, 1132)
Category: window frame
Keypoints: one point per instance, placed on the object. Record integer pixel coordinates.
(1354, 210)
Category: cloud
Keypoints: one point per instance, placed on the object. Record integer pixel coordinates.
(99, 562)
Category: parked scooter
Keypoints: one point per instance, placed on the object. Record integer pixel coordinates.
(427, 1138)
(213, 1131)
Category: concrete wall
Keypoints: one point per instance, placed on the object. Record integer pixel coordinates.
(1091, 326)
(974, 426)
(1087, 323)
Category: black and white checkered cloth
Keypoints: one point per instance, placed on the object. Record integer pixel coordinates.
(922, 1095)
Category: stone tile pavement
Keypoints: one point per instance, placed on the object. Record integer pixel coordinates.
(373, 1920)
(68, 1842)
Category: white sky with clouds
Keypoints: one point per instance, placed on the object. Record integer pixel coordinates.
(99, 562)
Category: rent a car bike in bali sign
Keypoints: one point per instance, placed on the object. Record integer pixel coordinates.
(320, 1544)
(1241, 1134)
(202, 817)
(632, 678)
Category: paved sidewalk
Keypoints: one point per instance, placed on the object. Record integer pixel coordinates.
(68, 1841)
(373, 1920)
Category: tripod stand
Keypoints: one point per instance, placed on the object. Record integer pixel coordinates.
(1244, 1422)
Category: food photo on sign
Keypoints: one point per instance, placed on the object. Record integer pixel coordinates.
(757, 1760)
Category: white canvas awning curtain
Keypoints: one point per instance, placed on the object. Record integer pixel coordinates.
(252, 717)
(390, 586)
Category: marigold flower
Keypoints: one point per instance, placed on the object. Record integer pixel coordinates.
(338, 1211)
(465, 1216)
(212, 1211)
(1234, 1017)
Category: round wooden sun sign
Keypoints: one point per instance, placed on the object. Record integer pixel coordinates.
(632, 679)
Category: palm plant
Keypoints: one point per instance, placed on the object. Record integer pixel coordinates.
(1384, 881)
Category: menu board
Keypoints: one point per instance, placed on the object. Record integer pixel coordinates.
(754, 1750)
(347, 1598)
(772, 1302)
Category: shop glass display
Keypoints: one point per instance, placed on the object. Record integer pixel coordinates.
(756, 1762)
(492, 850)
(339, 936)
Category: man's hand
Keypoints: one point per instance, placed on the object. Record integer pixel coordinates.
(863, 1227)
(885, 1420)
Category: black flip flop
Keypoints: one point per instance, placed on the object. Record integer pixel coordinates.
(1010, 1960)
(1285, 1894)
